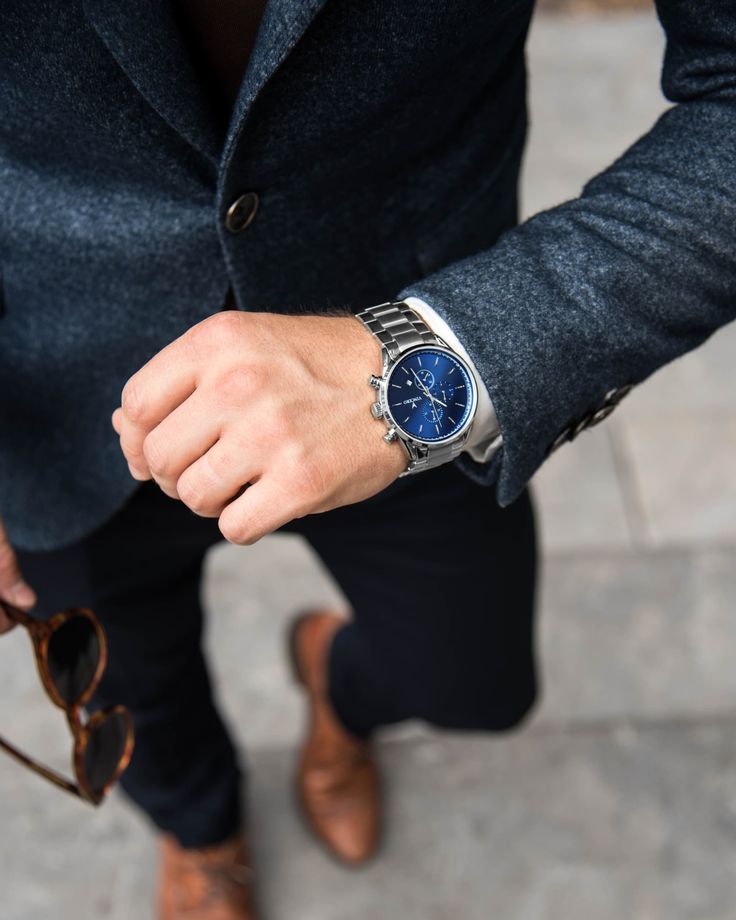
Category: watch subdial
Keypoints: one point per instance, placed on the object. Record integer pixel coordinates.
(432, 411)
(426, 377)
(445, 391)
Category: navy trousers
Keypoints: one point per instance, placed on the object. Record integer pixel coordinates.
(441, 582)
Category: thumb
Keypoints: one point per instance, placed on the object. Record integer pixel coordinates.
(13, 588)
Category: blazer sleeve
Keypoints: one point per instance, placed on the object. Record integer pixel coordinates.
(583, 300)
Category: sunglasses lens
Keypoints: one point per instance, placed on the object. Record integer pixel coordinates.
(105, 750)
(73, 656)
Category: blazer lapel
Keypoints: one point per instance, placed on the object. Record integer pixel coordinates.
(143, 38)
(283, 24)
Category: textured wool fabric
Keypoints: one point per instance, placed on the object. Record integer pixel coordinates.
(384, 141)
(605, 289)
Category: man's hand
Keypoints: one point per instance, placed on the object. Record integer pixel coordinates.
(12, 587)
(277, 404)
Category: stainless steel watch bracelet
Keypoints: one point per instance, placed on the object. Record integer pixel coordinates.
(399, 328)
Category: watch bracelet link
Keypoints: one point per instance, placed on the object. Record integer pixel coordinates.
(399, 328)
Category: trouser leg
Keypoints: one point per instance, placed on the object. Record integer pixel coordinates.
(442, 587)
(140, 572)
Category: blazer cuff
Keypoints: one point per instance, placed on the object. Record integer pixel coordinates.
(485, 437)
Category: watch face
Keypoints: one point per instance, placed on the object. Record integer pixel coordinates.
(430, 394)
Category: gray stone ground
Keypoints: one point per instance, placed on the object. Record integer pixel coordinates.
(618, 800)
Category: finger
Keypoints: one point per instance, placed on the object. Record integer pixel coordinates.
(13, 588)
(149, 396)
(180, 440)
(261, 509)
(117, 419)
(211, 483)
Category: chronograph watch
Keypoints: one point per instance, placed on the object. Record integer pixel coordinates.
(427, 395)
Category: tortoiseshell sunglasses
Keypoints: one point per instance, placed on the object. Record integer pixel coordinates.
(71, 655)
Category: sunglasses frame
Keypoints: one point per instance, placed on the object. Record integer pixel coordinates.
(40, 633)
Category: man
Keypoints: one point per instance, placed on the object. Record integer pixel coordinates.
(297, 162)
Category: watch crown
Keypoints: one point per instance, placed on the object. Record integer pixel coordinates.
(374, 381)
(376, 410)
(390, 435)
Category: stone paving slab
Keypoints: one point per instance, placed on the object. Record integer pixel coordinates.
(625, 822)
(582, 501)
(646, 636)
(684, 473)
(600, 826)
(593, 90)
(701, 382)
(621, 634)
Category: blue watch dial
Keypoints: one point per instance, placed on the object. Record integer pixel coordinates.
(430, 394)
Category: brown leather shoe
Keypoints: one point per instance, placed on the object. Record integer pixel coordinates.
(214, 883)
(337, 779)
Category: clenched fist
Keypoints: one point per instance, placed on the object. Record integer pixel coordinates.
(260, 418)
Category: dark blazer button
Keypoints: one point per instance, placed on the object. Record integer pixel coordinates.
(241, 212)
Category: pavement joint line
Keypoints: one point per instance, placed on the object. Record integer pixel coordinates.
(637, 520)
(669, 550)
(612, 724)
(588, 727)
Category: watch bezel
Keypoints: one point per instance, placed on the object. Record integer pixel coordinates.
(388, 369)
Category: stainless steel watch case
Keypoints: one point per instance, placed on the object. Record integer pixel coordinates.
(422, 454)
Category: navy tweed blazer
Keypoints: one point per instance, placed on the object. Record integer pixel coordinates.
(383, 138)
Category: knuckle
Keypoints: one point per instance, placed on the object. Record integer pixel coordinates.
(167, 490)
(132, 401)
(218, 464)
(155, 455)
(241, 380)
(191, 495)
(214, 330)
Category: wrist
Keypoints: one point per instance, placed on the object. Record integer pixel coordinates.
(484, 438)
(426, 396)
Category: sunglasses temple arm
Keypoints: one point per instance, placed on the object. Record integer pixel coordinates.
(16, 615)
(48, 774)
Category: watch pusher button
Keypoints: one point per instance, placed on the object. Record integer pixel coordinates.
(377, 410)
(374, 381)
(390, 435)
